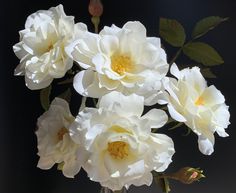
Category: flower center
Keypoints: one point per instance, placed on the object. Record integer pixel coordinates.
(118, 149)
(61, 133)
(199, 101)
(119, 129)
(121, 63)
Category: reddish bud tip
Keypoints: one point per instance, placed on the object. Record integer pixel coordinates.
(95, 8)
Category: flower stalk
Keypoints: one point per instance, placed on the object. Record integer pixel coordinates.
(95, 9)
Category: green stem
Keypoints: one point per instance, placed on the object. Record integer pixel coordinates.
(95, 20)
(168, 176)
(96, 29)
(94, 102)
(176, 56)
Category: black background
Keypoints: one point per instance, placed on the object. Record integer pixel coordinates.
(20, 107)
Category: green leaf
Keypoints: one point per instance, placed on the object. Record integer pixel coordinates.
(66, 95)
(203, 53)
(188, 132)
(207, 73)
(206, 24)
(45, 97)
(163, 182)
(172, 32)
(176, 126)
(67, 81)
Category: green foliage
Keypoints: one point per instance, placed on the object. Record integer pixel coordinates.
(188, 132)
(161, 181)
(66, 95)
(202, 53)
(206, 24)
(60, 165)
(207, 73)
(45, 97)
(67, 81)
(172, 32)
(176, 126)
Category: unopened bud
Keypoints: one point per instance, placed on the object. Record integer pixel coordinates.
(187, 175)
(95, 8)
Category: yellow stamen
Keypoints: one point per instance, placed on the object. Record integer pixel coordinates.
(118, 149)
(199, 101)
(61, 133)
(121, 63)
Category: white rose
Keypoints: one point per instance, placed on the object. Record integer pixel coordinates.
(123, 151)
(41, 47)
(200, 107)
(121, 59)
(54, 142)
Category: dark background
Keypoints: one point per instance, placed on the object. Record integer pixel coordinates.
(20, 107)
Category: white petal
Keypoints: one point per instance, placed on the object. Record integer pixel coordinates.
(137, 168)
(123, 105)
(109, 44)
(45, 163)
(221, 119)
(19, 51)
(86, 84)
(61, 103)
(78, 128)
(163, 151)
(195, 78)
(170, 84)
(137, 28)
(175, 114)
(81, 27)
(206, 146)
(156, 118)
(212, 96)
(113, 30)
(149, 55)
(109, 84)
(70, 169)
(100, 62)
(20, 69)
(221, 132)
(73, 165)
(154, 41)
(175, 71)
(33, 85)
(92, 134)
(146, 179)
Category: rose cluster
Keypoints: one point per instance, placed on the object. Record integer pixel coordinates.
(125, 70)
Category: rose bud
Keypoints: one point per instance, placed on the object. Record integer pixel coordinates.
(187, 175)
(95, 8)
